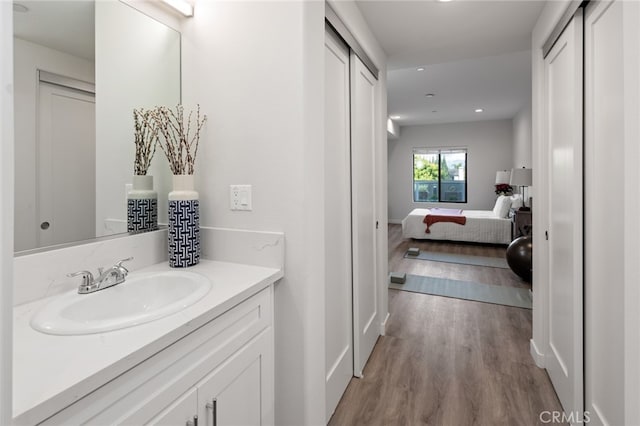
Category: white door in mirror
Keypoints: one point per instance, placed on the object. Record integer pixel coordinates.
(140, 299)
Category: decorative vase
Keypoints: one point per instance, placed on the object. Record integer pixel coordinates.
(184, 223)
(142, 205)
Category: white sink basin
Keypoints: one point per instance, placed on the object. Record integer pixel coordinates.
(141, 298)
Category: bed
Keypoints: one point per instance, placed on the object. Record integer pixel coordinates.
(482, 226)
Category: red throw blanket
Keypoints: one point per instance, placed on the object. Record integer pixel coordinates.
(444, 215)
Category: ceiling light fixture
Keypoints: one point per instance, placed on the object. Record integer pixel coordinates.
(420, 69)
(182, 6)
(429, 95)
(479, 110)
(444, 1)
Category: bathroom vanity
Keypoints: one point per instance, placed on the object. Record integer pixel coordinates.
(209, 363)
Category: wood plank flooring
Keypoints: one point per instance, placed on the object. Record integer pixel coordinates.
(447, 361)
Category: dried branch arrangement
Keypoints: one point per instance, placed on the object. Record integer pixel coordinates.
(181, 138)
(145, 139)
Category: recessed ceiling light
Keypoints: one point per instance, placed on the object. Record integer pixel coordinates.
(420, 69)
(479, 110)
(429, 95)
(444, 1)
(20, 8)
(394, 117)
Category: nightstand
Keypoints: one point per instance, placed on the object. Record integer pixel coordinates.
(521, 223)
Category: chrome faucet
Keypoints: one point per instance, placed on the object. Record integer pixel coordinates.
(112, 276)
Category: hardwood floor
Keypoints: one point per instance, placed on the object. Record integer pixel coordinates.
(397, 263)
(447, 361)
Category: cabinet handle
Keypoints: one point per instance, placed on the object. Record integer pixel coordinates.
(213, 406)
(193, 422)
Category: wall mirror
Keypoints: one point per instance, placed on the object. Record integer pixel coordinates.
(80, 68)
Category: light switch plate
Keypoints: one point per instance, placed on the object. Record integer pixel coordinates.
(240, 197)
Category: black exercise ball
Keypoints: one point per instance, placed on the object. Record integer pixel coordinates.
(519, 255)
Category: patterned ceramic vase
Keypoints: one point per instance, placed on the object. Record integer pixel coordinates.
(184, 223)
(142, 205)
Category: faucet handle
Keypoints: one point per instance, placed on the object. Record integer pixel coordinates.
(87, 277)
(120, 262)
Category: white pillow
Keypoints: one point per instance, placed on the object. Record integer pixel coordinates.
(501, 209)
(516, 201)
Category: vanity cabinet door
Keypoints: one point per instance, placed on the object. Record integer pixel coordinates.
(240, 391)
(180, 412)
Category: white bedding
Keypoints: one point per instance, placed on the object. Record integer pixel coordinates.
(482, 227)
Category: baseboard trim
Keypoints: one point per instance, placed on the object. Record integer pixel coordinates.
(395, 221)
(538, 357)
(383, 325)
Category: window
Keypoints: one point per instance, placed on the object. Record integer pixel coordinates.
(440, 175)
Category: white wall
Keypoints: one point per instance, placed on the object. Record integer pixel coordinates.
(522, 149)
(257, 69)
(6, 211)
(522, 156)
(137, 65)
(489, 149)
(28, 58)
(243, 62)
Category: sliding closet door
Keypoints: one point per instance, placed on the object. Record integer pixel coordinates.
(365, 305)
(338, 308)
(563, 74)
(605, 195)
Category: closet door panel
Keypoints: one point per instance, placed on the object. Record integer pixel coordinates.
(604, 213)
(563, 74)
(365, 309)
(338, 300)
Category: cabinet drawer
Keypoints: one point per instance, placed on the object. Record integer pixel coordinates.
(137, 396)
(180, 412)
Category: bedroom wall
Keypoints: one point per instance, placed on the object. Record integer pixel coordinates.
(522, 150)
(490, 148)
(522, 137)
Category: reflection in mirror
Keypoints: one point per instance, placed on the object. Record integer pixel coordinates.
(80, 68)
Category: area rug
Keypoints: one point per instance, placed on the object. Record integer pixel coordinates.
(465, 259)
(487, 293)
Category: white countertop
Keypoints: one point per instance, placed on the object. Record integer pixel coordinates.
(52, 372)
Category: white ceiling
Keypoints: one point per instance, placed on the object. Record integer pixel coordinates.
(475, 55)
(67, 26)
